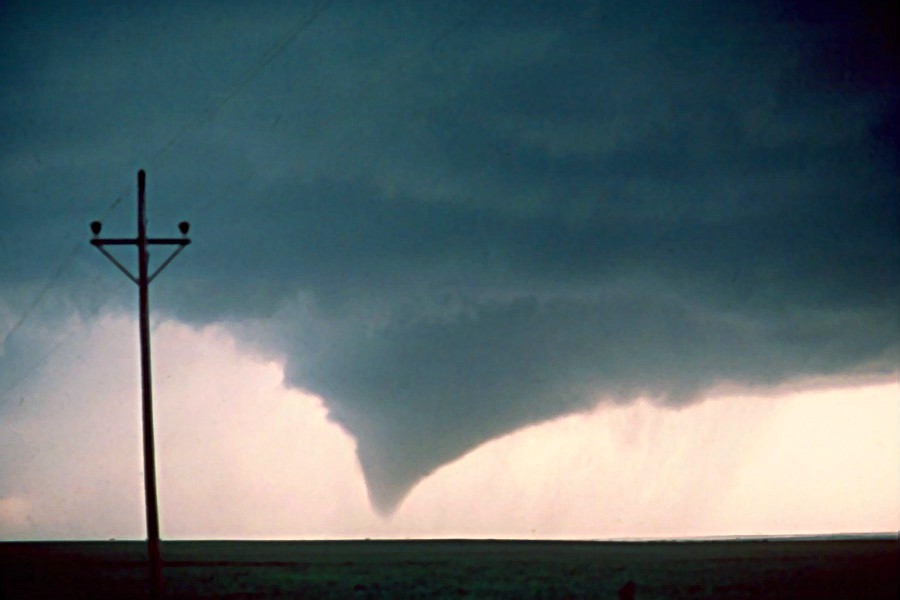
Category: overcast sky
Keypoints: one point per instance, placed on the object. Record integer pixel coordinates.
(438, 227)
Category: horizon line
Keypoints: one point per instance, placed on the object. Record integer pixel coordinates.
(875, 535)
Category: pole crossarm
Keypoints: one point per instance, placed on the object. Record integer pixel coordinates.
(134, 242)
(180, 242)
(114, 242)
(168, 241)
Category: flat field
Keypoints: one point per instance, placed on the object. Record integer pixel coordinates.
(520, 570)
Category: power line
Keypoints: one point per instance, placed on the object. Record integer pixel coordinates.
(213, 109)
(208, 113)
(55, 277)
(276, 49)
(407, 61)
(62, 340)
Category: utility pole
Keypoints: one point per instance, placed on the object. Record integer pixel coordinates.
(143, 282)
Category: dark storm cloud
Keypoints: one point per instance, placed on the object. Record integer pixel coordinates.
(456, 221)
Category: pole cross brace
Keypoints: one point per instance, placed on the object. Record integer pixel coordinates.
(179, 242)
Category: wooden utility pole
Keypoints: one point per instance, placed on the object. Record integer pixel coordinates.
(143, 280)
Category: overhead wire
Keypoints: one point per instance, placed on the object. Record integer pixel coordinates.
(57, 274)
(212, 109)
(56, 345)
(273, 51)
(209, 113)
(406, 62)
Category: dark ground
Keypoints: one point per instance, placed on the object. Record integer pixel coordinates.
(865, 569)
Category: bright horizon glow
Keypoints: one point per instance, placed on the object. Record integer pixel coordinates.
(242, 457)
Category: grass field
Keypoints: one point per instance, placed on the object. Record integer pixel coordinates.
(865, 569)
